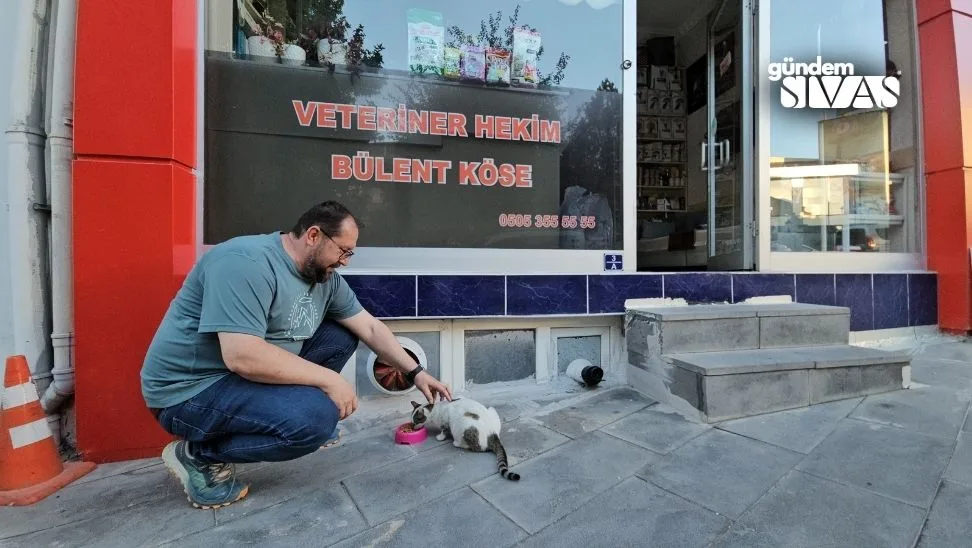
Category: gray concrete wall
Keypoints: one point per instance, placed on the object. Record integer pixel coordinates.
(8, 27)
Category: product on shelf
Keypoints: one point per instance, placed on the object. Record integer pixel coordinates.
(472, 63)
(526, 46)
(497, 66)
(450, 63)
(426, 40)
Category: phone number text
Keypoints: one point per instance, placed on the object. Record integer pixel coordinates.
(517, 220)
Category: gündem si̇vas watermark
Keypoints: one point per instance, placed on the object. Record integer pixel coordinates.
(832, 86)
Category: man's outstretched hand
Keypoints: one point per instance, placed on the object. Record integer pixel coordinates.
(431, 387)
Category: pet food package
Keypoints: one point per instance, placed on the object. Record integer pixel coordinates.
(665, 128)
(654, 102)
(497, 66)
(678, 104)
(652, 128)
(526, 46)
(426, 41)
(450, 63)
(472, 63)
(678, 128)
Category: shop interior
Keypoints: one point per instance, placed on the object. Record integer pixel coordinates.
(672, 182)
(866, 206)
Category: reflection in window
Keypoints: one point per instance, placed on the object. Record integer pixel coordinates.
(440, 124)
(843, 178)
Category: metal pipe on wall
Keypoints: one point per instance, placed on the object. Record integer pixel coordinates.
(60, 155)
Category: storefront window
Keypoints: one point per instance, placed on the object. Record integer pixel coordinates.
(442, 124)
(843, 166)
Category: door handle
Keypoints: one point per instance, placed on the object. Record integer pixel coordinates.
(704, 146)
(726, 153)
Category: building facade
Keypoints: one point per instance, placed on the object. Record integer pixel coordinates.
(520, 170)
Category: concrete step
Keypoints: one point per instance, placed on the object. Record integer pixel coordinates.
(723, 385)
(715, 327)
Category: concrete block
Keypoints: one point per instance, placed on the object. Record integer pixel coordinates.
(708, 335)
(845, 355)
(835, 384)
(829, 384)
(741, 361)
(734, 396)
(803, 330)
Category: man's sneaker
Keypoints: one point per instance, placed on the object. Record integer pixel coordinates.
(207, 485)
(333, 440)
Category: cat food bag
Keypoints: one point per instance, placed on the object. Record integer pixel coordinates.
(450, 63)
(472, 63)
(526, 46)
(497, 66)
(426, 41)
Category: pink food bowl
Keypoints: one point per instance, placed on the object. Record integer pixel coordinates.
(404, 434)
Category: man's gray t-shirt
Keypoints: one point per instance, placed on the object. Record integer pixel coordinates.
(248, 284)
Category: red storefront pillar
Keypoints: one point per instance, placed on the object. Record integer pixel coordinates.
(945, 50)
(134, 206)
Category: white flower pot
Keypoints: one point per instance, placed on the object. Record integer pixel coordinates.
(260, 46)
(294, 54)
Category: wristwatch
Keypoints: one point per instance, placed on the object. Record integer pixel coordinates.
(410, 376)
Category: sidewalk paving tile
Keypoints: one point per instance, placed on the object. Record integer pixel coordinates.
(932, 411)
(634, 513)
(591, 414)
(280, 481)
(894, 462)
(149, 523)
(960, 467)
(461, 518)
(721, 471)
(117, 468)
(802, 510)
(563, 479)
(527, 438)
(943, 374)
(326, 516)
(658, 428)
(391, 490)
(798, 430)
(153, 486)
(949, 524)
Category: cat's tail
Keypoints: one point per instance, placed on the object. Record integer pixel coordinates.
(496, 446)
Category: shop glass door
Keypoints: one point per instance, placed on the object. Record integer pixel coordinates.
(727, 152)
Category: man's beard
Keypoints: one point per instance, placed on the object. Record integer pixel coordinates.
(315, 271)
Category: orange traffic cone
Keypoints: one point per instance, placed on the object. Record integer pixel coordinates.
(30, 467)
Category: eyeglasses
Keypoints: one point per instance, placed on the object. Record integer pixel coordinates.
(345, 253)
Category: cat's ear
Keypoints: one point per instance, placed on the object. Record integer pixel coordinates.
(415, 405)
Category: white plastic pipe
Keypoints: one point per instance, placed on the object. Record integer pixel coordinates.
(60, 152)
(24, 187)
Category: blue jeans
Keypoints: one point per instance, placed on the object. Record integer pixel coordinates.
(236, 420)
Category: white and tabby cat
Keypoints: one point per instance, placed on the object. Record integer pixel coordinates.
(471, 425)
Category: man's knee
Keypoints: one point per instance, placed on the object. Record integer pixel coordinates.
(312, 421)
(331, 346)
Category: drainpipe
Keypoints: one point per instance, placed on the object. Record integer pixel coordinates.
(60, 155)
(26, 205)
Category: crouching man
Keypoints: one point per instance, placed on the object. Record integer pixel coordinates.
(245, 366)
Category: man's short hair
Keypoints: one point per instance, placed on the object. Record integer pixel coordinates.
(327, 216)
